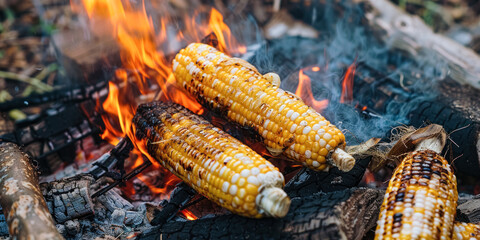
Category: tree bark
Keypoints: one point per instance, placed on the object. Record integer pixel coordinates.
(22, 201)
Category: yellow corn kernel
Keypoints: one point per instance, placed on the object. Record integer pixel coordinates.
(212, 162)
(421, 199)
(466, 231)
(237, 90)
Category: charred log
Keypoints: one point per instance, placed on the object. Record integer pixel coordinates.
(468, 210)
(22, 201)
(332, 215)
(180, 196)
(455, 108)
(69, 198)
(307, 182)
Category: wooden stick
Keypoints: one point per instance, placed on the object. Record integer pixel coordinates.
(21, 199)
(409, 33)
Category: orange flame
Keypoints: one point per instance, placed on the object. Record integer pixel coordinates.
(146, 72)
(304, 91)
(188, 215)
(347, 84)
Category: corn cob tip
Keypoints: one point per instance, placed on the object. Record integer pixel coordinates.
(273, 202)
(342, 160)
(273, 78)
(274, 151)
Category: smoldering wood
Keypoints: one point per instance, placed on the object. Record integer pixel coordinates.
(180, 196)
(455, 108)
(114, 158)
(457, 111)
(113, 200)
(346, 214)
(468, 210)
(22, 201)
(69, 198)
(409, 33)
(308, 182)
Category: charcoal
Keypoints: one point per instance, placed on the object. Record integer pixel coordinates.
(72, 227)
(118, 217)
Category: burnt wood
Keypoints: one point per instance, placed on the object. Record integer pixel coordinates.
(345, 214)
(468, 210)
(307, 182)
(26, 212)
(455, 108)
(179, 197)
(69, 198)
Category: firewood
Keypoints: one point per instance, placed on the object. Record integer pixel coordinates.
(409, 33)
(69, 198)
(346, 214)
(21, 198)
(469, 210)
(307, 182)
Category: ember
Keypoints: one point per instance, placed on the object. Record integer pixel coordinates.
(173, 119)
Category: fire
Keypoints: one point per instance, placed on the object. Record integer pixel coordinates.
(188, 215)
(347, 84)
(304, 90)
(146, 50)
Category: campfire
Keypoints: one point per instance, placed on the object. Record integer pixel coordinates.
(250, 119)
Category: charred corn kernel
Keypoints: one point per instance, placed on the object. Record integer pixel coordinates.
(212, 162)
(421, 199)
(237, 90)
(466, 231)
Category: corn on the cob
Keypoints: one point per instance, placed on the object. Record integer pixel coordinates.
(236, 89)
(464, 231)
(212, 162)
(421, 199)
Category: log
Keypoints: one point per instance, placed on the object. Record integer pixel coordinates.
(469, 211)
(346, 214)
(69, 198)
(179, 197)
(308, 182)
(20, 197)
(410, 34)
(455, 108)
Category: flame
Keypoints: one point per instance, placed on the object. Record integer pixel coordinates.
(188, 215)
(146, 50)
(304, 90)
(347, 84)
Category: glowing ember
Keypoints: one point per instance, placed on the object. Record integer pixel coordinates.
(304, 91)
(146, 72)
(347, 84)
(188, 215)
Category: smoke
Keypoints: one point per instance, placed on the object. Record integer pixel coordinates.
(387, 83)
